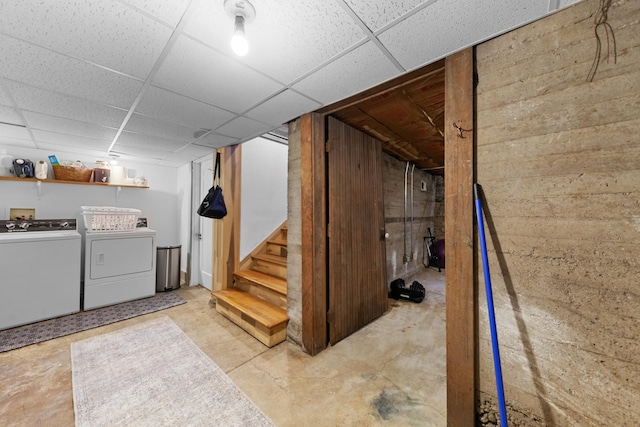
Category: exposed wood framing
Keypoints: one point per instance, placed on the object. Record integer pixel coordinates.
(459, 232)
(226, 233)
(314, 232)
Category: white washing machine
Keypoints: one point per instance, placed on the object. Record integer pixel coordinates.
(118, 266)
(40, 265)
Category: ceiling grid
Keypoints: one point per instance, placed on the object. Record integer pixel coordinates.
(157, 81)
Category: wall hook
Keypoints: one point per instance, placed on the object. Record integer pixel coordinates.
(461, 130)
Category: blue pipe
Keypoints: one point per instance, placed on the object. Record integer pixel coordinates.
(492, 316)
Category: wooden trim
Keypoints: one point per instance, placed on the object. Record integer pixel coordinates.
(314, 233)
(226, 233)
(63, 181)
(459, 234)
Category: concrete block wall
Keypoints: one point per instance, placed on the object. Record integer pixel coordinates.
(428, 212)
(294, 239)
(559, 161)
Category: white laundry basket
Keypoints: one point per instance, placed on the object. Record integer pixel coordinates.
(107, 218)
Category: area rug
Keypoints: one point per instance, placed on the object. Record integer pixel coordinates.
(38, 332)
(152, 374)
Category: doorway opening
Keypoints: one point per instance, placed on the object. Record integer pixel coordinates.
(201, 262)
(457, 135)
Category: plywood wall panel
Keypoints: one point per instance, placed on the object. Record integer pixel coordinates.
(559, 161)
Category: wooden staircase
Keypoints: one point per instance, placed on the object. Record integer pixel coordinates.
(258, 300)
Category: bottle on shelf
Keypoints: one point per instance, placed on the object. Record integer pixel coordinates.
(101, 171)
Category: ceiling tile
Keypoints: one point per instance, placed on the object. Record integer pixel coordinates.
(282, 108)
(565, 3)
(9, 115)
(358, 70)
(243, 127)
(212, 77)
(154, 127)
(378, 13)
(4, 98)
(106, 32)
(18, 132)
(70, 140)
(215, 141)
(157, 154)
(56, 104)
(149, 142)
(414, 44)
(37, 121)
(172, 107)
(43, 68)
(194, 151)
(72, 153)
(167, 11)
(9, 141)
(288, 38)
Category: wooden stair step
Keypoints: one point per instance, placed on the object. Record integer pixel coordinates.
(279, 241)
(259, 318)
(272, 264)
(271, 258)
(276, 284)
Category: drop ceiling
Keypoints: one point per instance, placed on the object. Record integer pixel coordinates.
(155, 81)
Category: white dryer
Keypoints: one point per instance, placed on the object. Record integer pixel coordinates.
(118, 266)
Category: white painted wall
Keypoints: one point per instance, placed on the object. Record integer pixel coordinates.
(167, 203)
(264, 191)
(160, 203)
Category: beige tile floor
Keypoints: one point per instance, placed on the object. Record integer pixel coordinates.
(391, 372)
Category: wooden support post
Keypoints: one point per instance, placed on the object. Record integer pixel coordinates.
(314, 233)
(226, 233)
(459, 232)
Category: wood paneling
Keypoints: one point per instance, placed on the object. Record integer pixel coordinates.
(459, 233)
(314, 233)
(357, 261)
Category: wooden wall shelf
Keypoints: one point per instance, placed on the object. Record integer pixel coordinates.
(61, 181)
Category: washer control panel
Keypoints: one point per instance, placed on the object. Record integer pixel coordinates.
(27, 225)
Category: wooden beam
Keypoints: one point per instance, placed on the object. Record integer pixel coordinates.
(226, 233)
(459, 233)
(314, 233)
(383, 88)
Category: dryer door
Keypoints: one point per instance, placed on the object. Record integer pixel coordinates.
(111, 257)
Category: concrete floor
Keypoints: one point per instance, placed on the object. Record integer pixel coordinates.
(391, 372)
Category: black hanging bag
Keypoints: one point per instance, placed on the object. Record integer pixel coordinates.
(213, 204)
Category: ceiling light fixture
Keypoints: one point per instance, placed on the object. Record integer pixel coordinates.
(243, 12)
(114, 158)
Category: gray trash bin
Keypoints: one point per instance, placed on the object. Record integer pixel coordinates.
(168, 268)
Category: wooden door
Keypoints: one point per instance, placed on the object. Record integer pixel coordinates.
(357, 259)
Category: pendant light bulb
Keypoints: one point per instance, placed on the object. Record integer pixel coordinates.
(239, 43)
(242, 12)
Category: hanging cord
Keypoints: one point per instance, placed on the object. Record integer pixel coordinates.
(413, 166)
(601, 22)
(405, 257)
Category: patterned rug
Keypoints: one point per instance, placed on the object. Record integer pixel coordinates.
(152, 374)
(21, 336)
